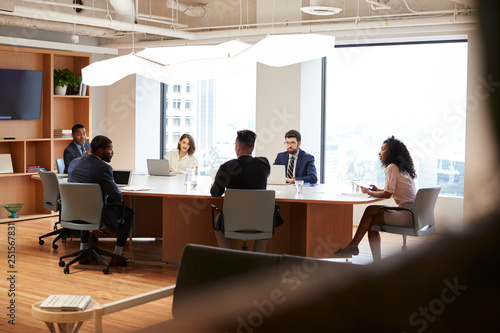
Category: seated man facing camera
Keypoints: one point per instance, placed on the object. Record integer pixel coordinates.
(299, 164)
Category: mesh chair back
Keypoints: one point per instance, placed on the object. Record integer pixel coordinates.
(248, 214)
(50, 190)
(424, 204)
(81, 202)
(60, 165)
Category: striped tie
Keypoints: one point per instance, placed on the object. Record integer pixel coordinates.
(83, 151)
(289, 173)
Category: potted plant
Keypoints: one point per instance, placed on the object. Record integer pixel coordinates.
(64, 78)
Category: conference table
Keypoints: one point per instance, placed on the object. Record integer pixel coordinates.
(318, 221)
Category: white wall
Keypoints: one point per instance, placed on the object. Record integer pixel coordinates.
(99, 116)
(278, 107)
(310, 109)
(120, 122)
(132, 122)
(147, 142)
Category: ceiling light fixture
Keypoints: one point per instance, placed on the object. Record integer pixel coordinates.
(321, 7)
(378, 4)
(77, 2)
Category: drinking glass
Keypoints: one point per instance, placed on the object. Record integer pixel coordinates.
(298, 185)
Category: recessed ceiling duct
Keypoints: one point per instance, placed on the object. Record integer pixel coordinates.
(321, 7)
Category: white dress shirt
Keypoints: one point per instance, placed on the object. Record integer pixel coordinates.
(185, 162)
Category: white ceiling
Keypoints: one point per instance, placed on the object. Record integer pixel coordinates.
(116, 21)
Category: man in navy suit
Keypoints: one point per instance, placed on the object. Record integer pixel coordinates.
(94, 168)
(78, 147)
(298, 164)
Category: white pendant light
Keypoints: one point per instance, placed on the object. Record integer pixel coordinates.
(186, 63)
(321, 7)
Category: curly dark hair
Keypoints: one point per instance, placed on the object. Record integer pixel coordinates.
(399, 155)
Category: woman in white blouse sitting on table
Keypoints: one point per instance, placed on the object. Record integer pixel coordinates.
(182, 158)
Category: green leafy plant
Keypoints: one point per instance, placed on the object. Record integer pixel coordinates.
(65, 77)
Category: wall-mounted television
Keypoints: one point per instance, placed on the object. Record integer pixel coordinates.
(20, 94)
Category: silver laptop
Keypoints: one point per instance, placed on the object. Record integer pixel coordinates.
(6, 164)
(122, 177)
(159, 168)
(277, 176)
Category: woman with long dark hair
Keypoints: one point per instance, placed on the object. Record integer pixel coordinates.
(182, 158)
(399, 184)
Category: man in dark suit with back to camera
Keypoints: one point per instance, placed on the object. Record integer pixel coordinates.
(244, 172)
(78, 147)
(299, 164)
(94, 168)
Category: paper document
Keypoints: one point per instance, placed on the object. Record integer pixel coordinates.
(359, 183)
(137, 188)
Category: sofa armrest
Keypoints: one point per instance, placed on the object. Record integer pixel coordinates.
(128, 303)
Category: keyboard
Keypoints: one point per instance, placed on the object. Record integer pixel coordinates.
(65, 303)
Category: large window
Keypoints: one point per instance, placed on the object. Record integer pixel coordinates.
(414, 92)
(218, 107)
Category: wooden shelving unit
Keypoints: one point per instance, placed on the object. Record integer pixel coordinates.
(34, 142)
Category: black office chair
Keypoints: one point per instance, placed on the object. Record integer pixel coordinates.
(51, 201)
(82, 209)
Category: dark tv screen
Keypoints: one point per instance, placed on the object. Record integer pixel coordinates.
(20, 94)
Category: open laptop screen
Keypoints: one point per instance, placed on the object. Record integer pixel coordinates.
(159, 167)
(122, 177)
(277, 176)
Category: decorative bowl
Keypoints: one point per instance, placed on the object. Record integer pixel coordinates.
(13, 209)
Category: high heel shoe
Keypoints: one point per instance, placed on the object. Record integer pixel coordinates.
(352, 251)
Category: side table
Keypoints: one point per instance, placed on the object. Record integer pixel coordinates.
(65, 320)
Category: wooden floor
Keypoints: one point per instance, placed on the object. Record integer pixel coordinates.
(38, 275)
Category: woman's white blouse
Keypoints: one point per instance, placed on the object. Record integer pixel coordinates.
(185, 163)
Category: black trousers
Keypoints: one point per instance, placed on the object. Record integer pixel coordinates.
(114, 223)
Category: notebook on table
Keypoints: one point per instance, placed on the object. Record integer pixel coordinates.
(277, 176)
(159, 168)
(122, 177)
